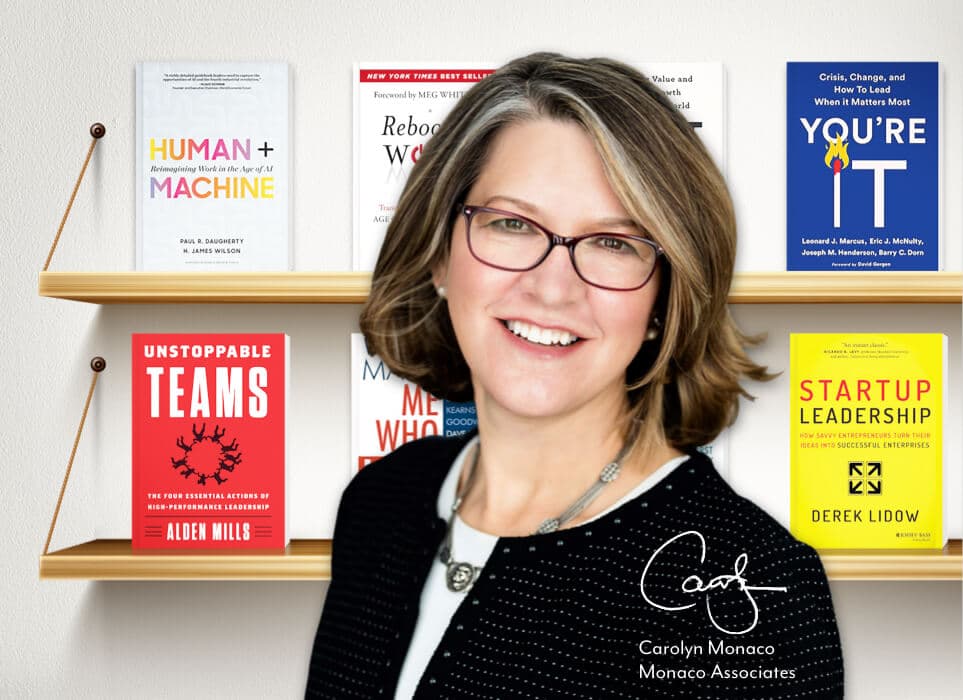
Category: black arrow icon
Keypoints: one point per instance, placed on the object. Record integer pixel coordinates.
(855, 469)
(855, 488)
(874, 487)
(875, 469)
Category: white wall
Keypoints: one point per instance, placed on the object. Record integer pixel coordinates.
(66, 65)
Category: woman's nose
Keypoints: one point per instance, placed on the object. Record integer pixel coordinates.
(555, 280)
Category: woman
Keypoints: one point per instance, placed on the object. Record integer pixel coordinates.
(562, 254)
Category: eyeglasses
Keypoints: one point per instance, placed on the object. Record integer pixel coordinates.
(509, 241)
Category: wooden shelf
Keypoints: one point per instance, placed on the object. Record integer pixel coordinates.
(114, 560)
(207, 287)
(311, 560)
(895, 565)
(353, 287)
(847, 288)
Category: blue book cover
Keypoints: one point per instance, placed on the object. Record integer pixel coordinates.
(863, 166)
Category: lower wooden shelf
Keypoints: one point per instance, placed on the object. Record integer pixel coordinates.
(895, 564)
(115, 560)
(311, 560)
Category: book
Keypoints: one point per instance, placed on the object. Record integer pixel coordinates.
(863, 166)
(397, 107)
(388, 411)
(212, 151)
(698, 91)
(209, 440)
(866, 439)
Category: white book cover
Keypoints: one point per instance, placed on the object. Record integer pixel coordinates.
(698, 91)
(388, 411)
(213, 154)
(397, 107)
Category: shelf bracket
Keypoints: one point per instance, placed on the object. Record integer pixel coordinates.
(97, 131)
(97, 364)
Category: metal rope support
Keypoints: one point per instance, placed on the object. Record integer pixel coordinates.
(97, 364)
(97, 130)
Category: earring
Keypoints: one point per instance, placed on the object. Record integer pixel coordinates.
(654, 329)
(442, 292)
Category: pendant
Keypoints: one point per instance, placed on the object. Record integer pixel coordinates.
(460, 576)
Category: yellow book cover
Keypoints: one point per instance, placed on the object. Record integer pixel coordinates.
(866, 439)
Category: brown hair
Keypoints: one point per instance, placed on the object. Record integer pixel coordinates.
(685, 385)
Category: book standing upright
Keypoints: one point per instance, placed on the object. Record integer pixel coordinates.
(866, 439)
(209, 437)
(863, 166)
(212, 151)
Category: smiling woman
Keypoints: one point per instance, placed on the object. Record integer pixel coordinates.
(502, 317)
(561, 255)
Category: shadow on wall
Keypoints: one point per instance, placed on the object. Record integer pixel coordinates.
(205, 639)
(874, 644)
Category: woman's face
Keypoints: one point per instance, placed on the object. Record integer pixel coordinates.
(548, 171)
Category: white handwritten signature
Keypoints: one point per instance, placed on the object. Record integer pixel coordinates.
(694, 584)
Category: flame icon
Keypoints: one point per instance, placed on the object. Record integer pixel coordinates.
(837, 149)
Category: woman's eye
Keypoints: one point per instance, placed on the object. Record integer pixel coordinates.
(616, 245)
(514, 225)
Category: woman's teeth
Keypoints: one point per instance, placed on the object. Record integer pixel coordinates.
(542, 336)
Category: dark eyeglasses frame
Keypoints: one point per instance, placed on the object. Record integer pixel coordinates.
(554, 239)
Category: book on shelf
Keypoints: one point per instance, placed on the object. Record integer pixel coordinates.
(388, 411)
(397, 107)
(863, 166)
(209, 441)
(213, 154)
(866, 439)
(698, 91)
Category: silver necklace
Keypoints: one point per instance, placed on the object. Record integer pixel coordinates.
(460, 575)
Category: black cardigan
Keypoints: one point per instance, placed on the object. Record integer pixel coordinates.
(579, 613)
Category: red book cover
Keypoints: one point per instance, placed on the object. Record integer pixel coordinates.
(209, 440)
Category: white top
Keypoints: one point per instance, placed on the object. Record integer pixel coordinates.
(438, 604)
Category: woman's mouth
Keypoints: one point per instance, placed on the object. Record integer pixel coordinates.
(541, 336)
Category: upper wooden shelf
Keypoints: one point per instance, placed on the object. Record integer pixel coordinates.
(353, 287)
(207, 287)
(311, 560)
(847, 288)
